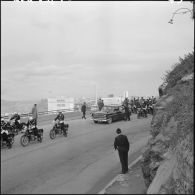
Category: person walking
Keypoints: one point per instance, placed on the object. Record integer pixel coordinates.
(35, 113)
(121, 144)
(100, 104)
(83, 110)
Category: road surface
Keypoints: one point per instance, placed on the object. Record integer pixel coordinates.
(84, 162)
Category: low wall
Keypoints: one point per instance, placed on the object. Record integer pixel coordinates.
(45, 119)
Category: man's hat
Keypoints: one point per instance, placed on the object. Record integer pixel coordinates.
(118, 131)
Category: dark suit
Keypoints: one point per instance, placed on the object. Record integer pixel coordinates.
(121, 143)
(83, 109)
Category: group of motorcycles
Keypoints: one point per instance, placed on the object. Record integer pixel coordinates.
(142, 111)
(28, 131)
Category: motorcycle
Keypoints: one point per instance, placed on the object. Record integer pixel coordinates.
(10, 138)
(134, 109)
(56, 130)
(150, 109)
(29, 136)
(15, 129)
(141, 112)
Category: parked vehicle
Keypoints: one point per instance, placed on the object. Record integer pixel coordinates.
(57, 130)
(29, 136)
(108, 114)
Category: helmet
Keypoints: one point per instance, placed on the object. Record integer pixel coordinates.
(30, 118)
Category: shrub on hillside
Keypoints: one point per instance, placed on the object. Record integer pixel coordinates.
(183, 67)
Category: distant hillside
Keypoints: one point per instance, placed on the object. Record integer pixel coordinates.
(22, 106)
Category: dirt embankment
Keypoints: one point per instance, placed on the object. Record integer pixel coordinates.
(167, 163)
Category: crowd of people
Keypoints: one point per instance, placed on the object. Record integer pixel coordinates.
(140, 102)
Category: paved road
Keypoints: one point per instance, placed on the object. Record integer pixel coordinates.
(83, 162)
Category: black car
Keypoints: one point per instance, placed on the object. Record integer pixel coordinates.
(108, 114)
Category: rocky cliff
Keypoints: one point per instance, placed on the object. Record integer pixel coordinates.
(167, 162)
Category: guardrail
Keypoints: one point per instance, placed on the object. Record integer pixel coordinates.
(42, 113)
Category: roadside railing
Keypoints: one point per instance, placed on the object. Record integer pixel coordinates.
(41, 113)
(24, 115)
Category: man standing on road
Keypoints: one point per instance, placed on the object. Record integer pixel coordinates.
(126, 106)
(121, 143)
(35, 113)
(83, 110)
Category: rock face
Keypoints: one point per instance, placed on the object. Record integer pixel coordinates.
(158, 145)
(167, 169)
(168, 162)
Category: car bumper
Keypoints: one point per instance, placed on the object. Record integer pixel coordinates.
(100, 120)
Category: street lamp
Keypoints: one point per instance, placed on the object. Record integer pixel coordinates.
(182, 12)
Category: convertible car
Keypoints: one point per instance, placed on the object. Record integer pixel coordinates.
(108, 114)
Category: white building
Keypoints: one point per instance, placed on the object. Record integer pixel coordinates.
(60, 104)
(126, 95)
(112, 100)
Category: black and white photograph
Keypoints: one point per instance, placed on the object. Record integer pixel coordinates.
(97, 97)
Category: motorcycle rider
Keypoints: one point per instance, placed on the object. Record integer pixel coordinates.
(144, 108)
(5, 133)
(16, 116)
(3, 123)
(60, 117)
(31, 124)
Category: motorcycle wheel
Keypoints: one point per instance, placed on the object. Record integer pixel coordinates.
(65, 134)
(17, 131)
(1, 143)
(24, 140)
(12, 140)
(52, 134)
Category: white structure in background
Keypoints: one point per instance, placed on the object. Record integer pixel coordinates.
(61, 103)
(126, 95)
(112, 100)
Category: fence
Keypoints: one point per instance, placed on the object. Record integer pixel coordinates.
(45, 112)
(40, 113)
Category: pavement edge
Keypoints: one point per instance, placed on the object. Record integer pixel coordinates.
(117, 177)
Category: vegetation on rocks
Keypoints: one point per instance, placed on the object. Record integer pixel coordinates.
(172, 129)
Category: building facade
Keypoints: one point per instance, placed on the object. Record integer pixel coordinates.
(60, 104)
(112, 100)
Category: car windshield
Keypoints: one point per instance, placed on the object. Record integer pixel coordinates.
(109, 109)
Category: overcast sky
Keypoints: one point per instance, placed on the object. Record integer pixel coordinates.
(68, 48)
